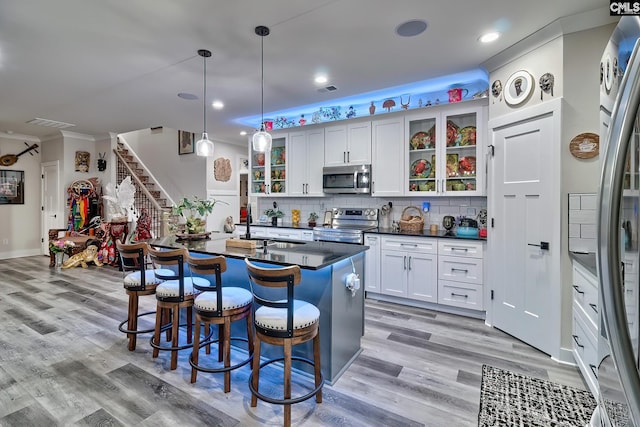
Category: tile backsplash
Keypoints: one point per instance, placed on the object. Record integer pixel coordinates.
(582, 222)
(440, 206)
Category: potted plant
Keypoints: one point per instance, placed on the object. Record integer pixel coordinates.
(274, 214)
(195, 212)
(312, 219)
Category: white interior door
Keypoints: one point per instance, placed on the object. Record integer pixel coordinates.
(52, 215)
(525, 209)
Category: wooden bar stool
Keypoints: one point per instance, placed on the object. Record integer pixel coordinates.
(174, 293)
(282, 321)
(220, 306)
(138, 281)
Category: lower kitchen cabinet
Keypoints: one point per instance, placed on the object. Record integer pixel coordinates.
(372, 263)
(409, 268)
(585, 324)
(460, 273)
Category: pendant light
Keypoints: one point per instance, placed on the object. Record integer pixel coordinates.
(204, 147)
(262, 139)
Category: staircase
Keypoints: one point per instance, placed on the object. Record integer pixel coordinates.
(147, 196)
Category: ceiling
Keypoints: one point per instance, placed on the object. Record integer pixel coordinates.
(117, 66)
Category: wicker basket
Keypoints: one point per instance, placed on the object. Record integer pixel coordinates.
(411, 222)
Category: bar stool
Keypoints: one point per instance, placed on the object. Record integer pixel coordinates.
(283, 322)
(138, 281)
(174, 293)
(220, 306)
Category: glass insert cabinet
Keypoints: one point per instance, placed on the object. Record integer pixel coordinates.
(444, 151)
(269, 170)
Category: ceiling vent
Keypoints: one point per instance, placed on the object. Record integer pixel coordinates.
(330, 88)
(50, 123)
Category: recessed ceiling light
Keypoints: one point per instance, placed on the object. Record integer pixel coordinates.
(243, 133)
(218, 105)
(411, 28)
(489, 37)
(188, 96)
(321, 79)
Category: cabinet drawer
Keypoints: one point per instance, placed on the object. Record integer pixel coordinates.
(458, 269)
(585, 346)
(462, 248)
(461, 295)
(409, 244)
(585, 292)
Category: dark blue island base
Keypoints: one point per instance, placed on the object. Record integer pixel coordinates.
(325, 267)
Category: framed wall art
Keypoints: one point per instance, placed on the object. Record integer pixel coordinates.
(518, 88)
(11, 187)
(185, 142)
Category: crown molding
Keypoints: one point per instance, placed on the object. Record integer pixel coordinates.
(562, 26)
(76, 135)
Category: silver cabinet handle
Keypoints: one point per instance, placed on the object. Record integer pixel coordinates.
(577, 288)
(404, 262)
(409, 262)
(459, 269)
(594, 307)
(621, 131)
(459, 249)
(344, 157)
(459, 295)
(412, 245)
(348, 156)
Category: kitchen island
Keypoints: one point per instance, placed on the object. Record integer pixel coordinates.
(324, 268)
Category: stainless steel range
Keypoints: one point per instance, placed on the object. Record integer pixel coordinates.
(347, 225)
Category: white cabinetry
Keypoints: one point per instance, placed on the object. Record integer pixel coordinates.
(409, 267)
(585, 324)
(388, 157)
(444, 150)
(283, 233)
(268, 172)
(348, 144)
(460, 273)
(372, 263)
(306, 155)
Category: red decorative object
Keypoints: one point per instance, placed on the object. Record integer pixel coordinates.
(143, 227)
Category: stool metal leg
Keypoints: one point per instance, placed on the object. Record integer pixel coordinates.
(287, 380)
(196, 347)
(175, 330)
(256, 371)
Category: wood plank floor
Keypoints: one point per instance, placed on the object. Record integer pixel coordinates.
(64, 363)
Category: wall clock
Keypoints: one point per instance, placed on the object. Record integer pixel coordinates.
(518, 88)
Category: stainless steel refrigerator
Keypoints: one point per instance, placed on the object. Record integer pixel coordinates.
(618, 224)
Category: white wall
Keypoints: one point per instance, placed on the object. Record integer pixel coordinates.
(20, 224)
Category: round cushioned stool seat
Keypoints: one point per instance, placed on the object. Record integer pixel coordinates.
(132, 280)
(171, 288)
(304, 314)
(231, 298)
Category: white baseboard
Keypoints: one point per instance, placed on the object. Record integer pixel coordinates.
(20, 253)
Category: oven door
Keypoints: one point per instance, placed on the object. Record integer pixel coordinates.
(325, 234)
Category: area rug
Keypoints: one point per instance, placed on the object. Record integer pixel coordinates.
(512, 399)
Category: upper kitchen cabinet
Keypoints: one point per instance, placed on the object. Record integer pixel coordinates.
(306, 151)
(387, 169)
(445, 150)
(347, 144)
(269, 170)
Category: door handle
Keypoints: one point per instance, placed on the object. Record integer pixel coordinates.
(594, 307)
(577, 288)
(543, 245)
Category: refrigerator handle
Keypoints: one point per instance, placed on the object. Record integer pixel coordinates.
(623, 119)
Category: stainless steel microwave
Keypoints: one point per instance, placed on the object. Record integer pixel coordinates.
(347, 179)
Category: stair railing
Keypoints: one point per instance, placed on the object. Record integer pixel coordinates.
(143, 199)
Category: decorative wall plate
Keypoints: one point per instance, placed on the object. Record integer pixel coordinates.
(518, 88)
(585, 145)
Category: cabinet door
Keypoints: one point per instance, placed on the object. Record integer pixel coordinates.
(388, 157)
(394, 274)
(422, 277)
(335, 145)
(463, 162)
(359, 143)
(419, 146)
(372, 264)
(297, 163)
(278, 165)
(315, 162)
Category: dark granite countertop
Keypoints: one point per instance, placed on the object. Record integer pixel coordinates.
(587, 260)
(308, 255)
(423, 233)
